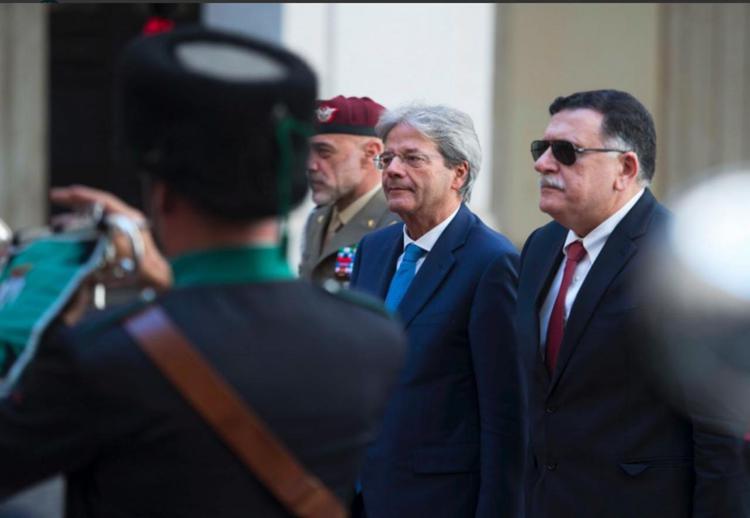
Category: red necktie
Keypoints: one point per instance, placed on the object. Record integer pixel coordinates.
(556, 327)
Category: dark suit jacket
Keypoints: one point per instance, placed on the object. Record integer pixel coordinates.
(93, 406)
(603, 440)
(317, 263)
(452, 441)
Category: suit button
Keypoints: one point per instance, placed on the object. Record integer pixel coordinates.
(549, 410)
(551, 466)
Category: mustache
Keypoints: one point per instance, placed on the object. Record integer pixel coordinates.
(554, 182)
(315, 177)
(393, 185)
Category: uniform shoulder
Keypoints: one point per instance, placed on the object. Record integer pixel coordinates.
(319, 210)
(317, 215)
(387, 219)
(358, 299)
(388, 232)
(378, 207)
(101, 322)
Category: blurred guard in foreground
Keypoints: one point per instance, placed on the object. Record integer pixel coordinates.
(219, 124)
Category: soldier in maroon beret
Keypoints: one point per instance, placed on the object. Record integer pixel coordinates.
(346, 187)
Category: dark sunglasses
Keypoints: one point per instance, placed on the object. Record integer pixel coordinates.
(565, 152)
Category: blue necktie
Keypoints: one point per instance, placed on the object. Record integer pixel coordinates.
(404, 275)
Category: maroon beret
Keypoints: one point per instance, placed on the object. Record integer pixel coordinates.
(353, 115)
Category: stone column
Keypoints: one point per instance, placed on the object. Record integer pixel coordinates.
(23, 114)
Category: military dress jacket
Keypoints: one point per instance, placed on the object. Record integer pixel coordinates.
(91, 405)
(319, 265)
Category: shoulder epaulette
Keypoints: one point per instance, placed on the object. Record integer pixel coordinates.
(355, 297)
(116, 315)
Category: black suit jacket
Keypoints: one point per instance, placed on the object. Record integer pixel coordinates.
(316, 368)
(603, 440)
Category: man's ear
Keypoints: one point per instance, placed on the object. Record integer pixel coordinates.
(372, 148)
(461, 175)
(630, 169)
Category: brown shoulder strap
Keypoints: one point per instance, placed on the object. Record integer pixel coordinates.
(217, 402)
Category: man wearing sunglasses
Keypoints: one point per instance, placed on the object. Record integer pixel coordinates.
(602, 440)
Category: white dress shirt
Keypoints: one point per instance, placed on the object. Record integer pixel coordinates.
(593, 242)
(427, 241)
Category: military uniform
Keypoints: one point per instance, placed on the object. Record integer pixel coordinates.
(228, 143)
(93, 406)
(331, 261)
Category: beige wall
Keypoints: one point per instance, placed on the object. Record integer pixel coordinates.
(705, 90)
(688, 63)
(546, 50)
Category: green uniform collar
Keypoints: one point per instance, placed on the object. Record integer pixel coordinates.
(231, 265)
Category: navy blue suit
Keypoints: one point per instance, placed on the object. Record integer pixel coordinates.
(452, 440)
(604, 442)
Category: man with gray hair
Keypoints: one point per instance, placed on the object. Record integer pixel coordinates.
(452, 440)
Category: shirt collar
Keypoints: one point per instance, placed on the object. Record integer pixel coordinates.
(230, 265)
(428, 240)
(594, 241)
(348, 213)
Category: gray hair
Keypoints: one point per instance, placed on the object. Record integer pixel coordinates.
(617, 142)
(450, 129)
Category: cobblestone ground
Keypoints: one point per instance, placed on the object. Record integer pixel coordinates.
(41, 501)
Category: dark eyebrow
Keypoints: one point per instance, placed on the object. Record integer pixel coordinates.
(322, 146)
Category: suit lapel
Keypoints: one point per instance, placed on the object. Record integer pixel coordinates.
(547, 267)
(388, 255)
(436, 266)
(618, 250)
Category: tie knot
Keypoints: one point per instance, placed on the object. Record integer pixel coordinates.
(412, 253)
(575, 251)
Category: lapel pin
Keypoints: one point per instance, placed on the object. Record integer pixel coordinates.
(370, 223)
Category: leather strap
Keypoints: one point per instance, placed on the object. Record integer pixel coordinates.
(303, 494)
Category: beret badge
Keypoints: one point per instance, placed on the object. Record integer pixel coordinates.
(325, 113)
